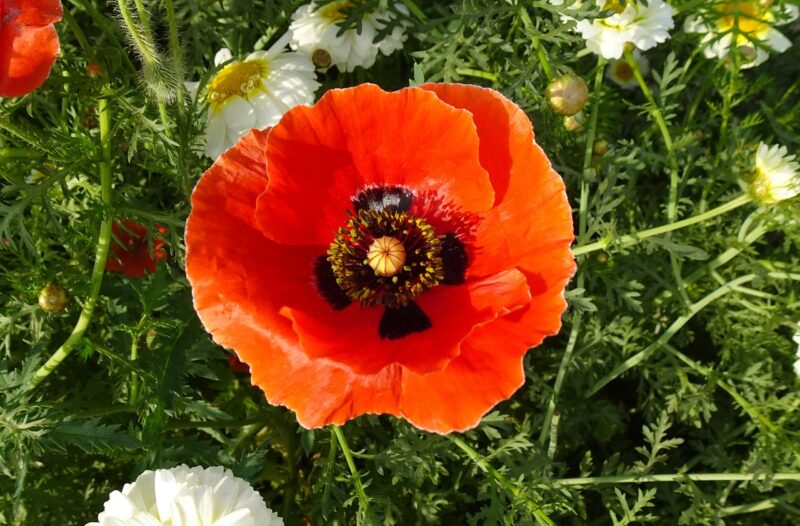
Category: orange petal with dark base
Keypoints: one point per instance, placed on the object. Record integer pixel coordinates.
(320, 157)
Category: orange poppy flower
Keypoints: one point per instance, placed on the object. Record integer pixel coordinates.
(130, 249)
(384, 253)
(28, 44)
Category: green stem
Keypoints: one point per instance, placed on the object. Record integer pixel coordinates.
(549, 416)
(78, 32)
(583, 207)
(359, 487)
(414, 8)
(677, 477)
(537, 45)
(674, 177)
(481, 462)
(633, 239)
(101, 252)
(677, 325)
(18, 153)
(134, 392)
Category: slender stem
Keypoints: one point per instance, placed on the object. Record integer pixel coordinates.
(101, 252)
(359, 487)
(677, 325)
(677, 477)
(549, 416)
(78, 32)
(145, 47)
(481, 462)
(477, 73)
(583, 207)
(633, 239)
(18, 153)
(674, 177)
(135, 335)
(414, 8)
(549, 429)
(537, 45)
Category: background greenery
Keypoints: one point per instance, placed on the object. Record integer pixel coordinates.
(704, 315)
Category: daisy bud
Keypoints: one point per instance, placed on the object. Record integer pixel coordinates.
(600, 147)
(567, 95)
(184, 495)
(321, 59)
(777, 175)
(94, 70)
(573, 122)
(52, 298)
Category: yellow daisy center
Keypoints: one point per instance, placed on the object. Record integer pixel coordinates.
(744, 17)
(335, 10)
(622, 71)
(239, 78)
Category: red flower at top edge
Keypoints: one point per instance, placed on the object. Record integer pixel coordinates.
(130, 249)
(28, 44)
(384, 253)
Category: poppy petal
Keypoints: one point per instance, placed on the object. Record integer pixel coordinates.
(26, 56)
(524, 181)
(488, 370)
(526, 186)
(320, 157)
(237, 297)
(350, 336)
(36, 12)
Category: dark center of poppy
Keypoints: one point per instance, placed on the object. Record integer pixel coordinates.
(385, 256)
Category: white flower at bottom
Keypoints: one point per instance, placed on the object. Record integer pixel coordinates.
(751, 24)
(641, 25)
(777, 175)
(184, 496)
(316, 28)
(255, 93)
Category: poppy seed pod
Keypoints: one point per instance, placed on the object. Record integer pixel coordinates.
(52, 298)
(567, 95)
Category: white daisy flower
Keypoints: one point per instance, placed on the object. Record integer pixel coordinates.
(317, 28)
(633, 22)
(621, 74)
(183, 496)
(747, 25)
(254, 93)
(777, 175)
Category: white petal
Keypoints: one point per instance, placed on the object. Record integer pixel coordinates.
(222, 56)
(239, 114)
(775, 40)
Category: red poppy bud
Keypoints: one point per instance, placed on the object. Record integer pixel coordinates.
(94, 70)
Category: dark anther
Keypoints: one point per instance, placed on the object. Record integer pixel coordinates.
(454, 260)
(383, 198)
(327, 286)
(402, 321)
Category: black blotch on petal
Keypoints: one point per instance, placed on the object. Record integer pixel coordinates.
(326, 284)
(379, 198)
(454, 260)
(402, 321)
